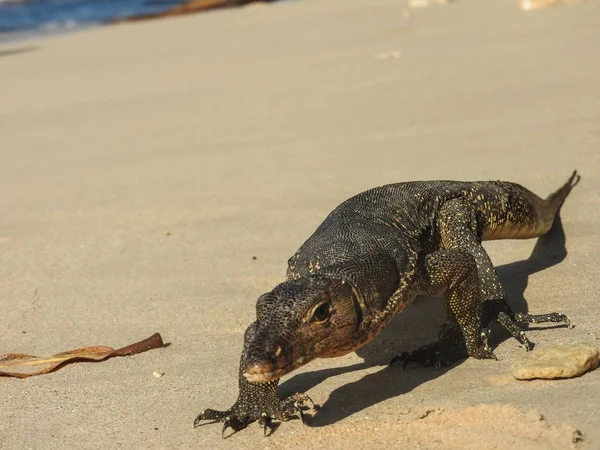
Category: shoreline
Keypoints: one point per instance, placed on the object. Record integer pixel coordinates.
(64, 26)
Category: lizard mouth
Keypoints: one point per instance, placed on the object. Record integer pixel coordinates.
(265, 372)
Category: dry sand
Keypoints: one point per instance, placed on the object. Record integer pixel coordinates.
(238, 131)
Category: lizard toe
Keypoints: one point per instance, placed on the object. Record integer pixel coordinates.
(400, 360)
(233, 423)
(430, 355)
(267, 414)
(211, 415)
(482, 353)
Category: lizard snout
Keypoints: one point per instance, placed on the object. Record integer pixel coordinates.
(265, 362)
(271, 352)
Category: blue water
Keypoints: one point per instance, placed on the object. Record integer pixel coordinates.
(48, 15)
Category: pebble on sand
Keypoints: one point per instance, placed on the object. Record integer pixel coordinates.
(560, 361)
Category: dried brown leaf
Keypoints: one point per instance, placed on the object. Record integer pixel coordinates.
(23, 366)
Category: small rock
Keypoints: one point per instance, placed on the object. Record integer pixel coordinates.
(166, 233)
(560, 361)
(158, 373)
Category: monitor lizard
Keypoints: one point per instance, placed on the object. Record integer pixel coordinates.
(365, 264)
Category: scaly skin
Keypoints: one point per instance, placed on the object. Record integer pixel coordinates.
(367, 262)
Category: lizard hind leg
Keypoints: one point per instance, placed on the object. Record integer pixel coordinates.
(453, 274)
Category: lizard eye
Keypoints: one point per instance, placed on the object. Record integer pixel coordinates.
(321, 313)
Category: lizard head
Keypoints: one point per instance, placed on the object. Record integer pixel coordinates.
(298, 321)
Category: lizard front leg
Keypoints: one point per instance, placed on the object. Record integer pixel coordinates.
(453, 274)
(256, 402)
(461, 230)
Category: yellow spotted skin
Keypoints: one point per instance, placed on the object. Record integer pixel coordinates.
(365, 264)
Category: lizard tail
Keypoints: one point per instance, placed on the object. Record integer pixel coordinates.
(555, 200)
(550, 206)
(523, 214)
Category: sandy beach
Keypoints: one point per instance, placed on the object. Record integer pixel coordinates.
(156, 177)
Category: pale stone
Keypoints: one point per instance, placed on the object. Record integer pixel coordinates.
(560, 361)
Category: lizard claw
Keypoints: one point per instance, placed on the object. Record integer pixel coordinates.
(400, 358)
(266, 422)
(241, 414)
(233, 423)
(483, 352)
(210, 414)
(220, 416)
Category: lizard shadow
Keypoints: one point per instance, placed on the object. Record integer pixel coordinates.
(413, 328)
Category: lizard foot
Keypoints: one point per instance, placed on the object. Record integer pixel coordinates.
(543, 318)
(242, 413)
(515, 330)
(448, 350)
(498, 310)
(426, 356)
(510, 323)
